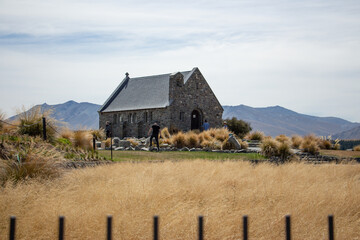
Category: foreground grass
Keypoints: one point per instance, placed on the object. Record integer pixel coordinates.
(180, 191)
(177, 155)
(340, 153)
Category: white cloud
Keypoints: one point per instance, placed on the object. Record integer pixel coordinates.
(303, 55)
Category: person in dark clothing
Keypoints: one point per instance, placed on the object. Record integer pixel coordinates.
(108, 129)
(155, 129)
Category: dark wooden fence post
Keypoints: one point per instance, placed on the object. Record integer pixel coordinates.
(201, 227)
(44, 128)
(109, 227)
(61, 227)
(288, 227)
(331, 227)
(245, 227)
(111, 138)
(156, 228)
(94, 144)
(12, 227)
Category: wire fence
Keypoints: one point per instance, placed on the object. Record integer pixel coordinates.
(156, 230)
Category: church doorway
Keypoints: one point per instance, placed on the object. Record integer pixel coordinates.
(195, 120)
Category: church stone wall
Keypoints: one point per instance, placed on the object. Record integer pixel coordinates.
(184, 98)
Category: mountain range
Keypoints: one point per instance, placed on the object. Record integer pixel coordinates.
(273, 121)
(82, 115)
(277, 120)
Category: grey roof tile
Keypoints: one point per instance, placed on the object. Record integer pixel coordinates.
(141, 93)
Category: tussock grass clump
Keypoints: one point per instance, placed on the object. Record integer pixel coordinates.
(133, 142)
(30, 122)
(192, 140)
(98, 134)
(255, 136)
(244, 145)
(284, 150)
(325, 144)
(224, 191)
(67, 133)
(179, 140)
(83, 139)
(165, 133)
(27, 167)
(310, 144)
(269, 147)
(2, 118)
(108, 142)
(296, 141)
(356, 148)
(282, 139)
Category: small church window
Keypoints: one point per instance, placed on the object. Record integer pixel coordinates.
(115, 119)
(134, 118)
(151, 116)
(130, 118)
(145, 116)
(178, 83)
(121, 118)
(182, 116)
(197, 85)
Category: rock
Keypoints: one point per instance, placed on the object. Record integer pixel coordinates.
(144, 149)
(119, 149)
(192, 150)
(137, 148)
(124, 143)
(184, 149)
(234, 141)
(116, 142)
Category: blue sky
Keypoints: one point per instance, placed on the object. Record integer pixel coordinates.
(302, 55)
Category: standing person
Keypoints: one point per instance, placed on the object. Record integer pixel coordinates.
(108, 129)
(206, 125)
(225, 125)
(155, 128)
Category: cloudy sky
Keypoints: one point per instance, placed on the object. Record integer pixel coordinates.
(300, 54)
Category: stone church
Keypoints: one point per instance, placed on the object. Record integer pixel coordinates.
(178, 101)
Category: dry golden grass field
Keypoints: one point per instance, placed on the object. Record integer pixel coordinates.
(180, 191)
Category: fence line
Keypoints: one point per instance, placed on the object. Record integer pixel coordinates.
(156, 233)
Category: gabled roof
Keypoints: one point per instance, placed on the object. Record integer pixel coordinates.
(141, 93)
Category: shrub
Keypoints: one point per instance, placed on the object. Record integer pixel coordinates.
(244, 145)
(296, 141)
(2, 118)
(179, 140)
(108, 142)
(239, 127)
(310, 144)
(98, 134)
(29, 165)
(282, 139)
(356, 148)
(192, 140)
(269, 147)
(83, 139)
(256, 136)
(227, 145)
(133, 142)
(165, 133)
(325, 144)
(221, 134)
(67, 133)
(204, 136)
(284, 150)
(64, 141)
(31, 122)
